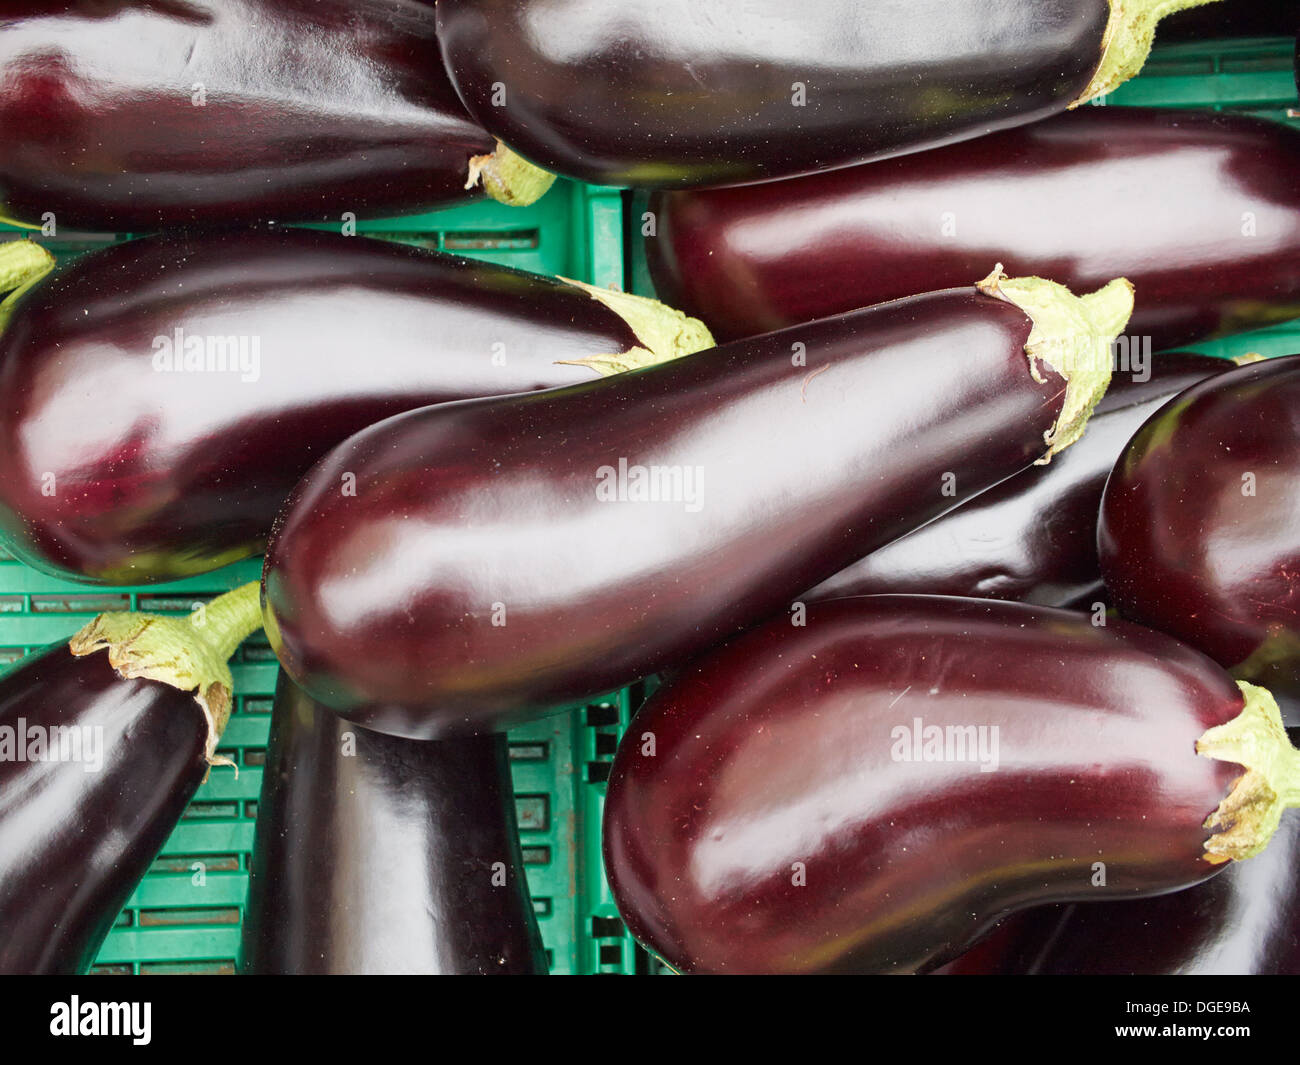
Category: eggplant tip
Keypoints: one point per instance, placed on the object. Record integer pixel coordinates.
(508, 178)
(1126, 43)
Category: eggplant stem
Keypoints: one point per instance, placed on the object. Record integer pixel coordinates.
(665, 333)
(1126, 43)
(1071, 335)
(509, 178)
(23, 264)
(190, 653)
(230, 619)
(1255, 739)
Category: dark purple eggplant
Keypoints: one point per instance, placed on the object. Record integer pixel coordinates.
(684, 93)
(99, 755)
(874, 789)
(163, 396)
(1243, 922)
(1032, 538)
(379, 855)
(136, 115)
(506, 556)
(1201, 211)
(1198, 534)
(1259, 18)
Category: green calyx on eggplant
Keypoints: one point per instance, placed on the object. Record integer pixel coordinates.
(164, 395)
(872, 790)
(132, 117)
(99, 755)
(507, 556)
(678, 94)
(1032, 538)
(1197, 533)
(1242, 921)
(1079, 198)
(378, 855)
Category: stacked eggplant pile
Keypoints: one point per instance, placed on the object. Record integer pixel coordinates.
(976, 624)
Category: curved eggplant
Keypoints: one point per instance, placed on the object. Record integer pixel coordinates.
(99, 755)
(1198, 535)
(1032, 538)
(1081, 198)
(163, 396)
(734, 91)
(378, 855)
(136, 115)
(871, 791)
(511, 555)
(1243, 922)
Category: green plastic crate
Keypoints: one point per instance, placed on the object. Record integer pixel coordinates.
(184, 917)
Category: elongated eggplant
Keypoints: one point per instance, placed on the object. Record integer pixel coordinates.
(1198, 535)
(1032, 538)
(163, 396)
(873, 789)
(1243, 922)
(99, 755)
(1201, 211)
(681, 93)
(508, 555)
(378, 855)
(136, 115)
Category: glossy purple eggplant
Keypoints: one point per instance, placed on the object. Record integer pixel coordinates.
(135, 115)
(1201, 211)
(505, 556)
(1198, 534)
(683, 93)
(1243, 922)
(377, 855)
(1032, 538)
(99, 755)
(872, 790)
(163, 396)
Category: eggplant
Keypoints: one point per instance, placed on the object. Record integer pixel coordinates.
(99, 755)
(874, 789)
(1032, 538)
(377, 855)
(1243, 922)
(735, 91)
(1197, 533)
(1201, 211)
(1260, 18)
(164, 395)
(126, 115)
(505, 556)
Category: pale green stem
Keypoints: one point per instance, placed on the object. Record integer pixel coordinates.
(1127, 40)
(1256, 739)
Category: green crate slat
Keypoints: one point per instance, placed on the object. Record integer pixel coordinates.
(612, 951)
(180, 890)
(225, 785)
(210, 837)
(247, 730)
(169, 944)
(1237, 90)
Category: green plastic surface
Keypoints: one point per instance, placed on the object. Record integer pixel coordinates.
(184, 916)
